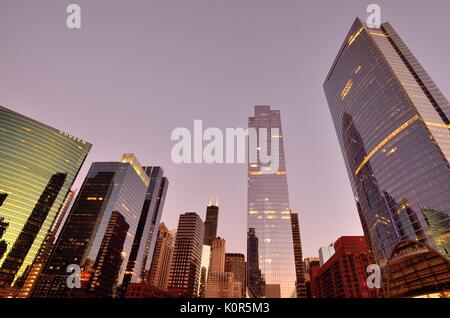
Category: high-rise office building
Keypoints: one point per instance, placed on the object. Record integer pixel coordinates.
(344, 274)
(220, 284)
(109, 187)
(140, 260)
(109, 260)
(38, 165)
(255, 279)
(186, 262)
(211, 221)
(162, 258)
(325, 252)
(235, 263)
(299, 272)
(268, 206)
(393, 126)
(218, 255)
(204, 270)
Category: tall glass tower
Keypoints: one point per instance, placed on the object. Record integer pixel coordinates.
(269, 215)
(111, 197)
(140, 260)
(393, 126)
(38, 165)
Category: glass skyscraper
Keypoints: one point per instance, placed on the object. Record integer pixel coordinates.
(111, 197)
(269, 215)
(140, 260)
(38, 165)
(393, 126)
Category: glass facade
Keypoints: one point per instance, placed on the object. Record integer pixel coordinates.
(393, 127)
(139, 262)
(269, 215)
(127, 197)
(110, 189)
(38, 165)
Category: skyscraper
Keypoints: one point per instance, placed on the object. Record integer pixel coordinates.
(109, 260)
(235, 263)
(218, 255)
(38, 165)
(255, 280)
(211, 221)
(187, 256)
(118, 187)
(393, 126)
(344, 274)
(140, 260)
(204, 270)
(268, 208)
(299, 272)
(162, 258)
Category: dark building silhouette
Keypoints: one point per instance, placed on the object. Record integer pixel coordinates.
(109, 259)
(3, 197)
(255, 279)
(300, 282)
(186, 262)
(3, 227)
(44, 253)
(25, 240)
(211, 221)
(75, 235)
(3, 245)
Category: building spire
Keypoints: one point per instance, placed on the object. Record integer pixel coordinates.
(217, 199)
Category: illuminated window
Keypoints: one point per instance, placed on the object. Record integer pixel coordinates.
(346, 89)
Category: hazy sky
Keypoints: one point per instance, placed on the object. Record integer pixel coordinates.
(136, 70)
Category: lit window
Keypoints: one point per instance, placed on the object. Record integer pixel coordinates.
(346, 89)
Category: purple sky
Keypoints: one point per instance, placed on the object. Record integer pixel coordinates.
(135, 72)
